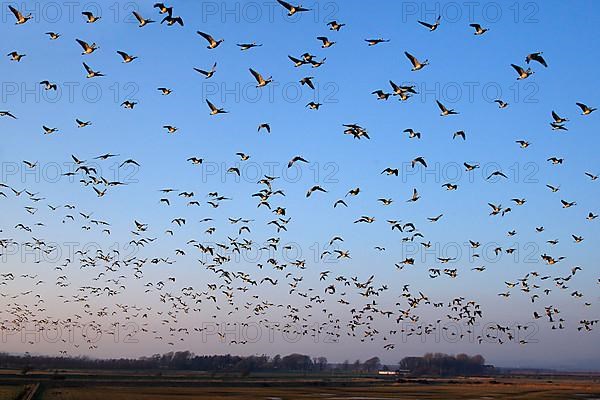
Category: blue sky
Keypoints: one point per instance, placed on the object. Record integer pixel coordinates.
(466, 72)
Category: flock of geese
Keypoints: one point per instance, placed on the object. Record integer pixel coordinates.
(288, 296)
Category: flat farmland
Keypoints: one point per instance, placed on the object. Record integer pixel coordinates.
(547, 389)
(10, 392)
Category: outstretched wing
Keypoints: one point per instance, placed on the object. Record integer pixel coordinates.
(206, 36)
(288, 6)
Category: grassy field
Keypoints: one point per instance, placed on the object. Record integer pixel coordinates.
(464, 389)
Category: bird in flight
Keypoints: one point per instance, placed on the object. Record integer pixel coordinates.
(21, 19)
(212, 43)
(214, 110)
(431, 27)
(536, 57)
(585, 110)
(142, 21)
(91, 73)
(261, 82)
(245, 216)
(90, 17)
(292, 9)
(373, 42)
(523, 74)
(209, 73)
(445, 111)
(417, 65)
(478, 29)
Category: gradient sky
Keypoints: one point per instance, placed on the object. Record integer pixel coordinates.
(466, 72)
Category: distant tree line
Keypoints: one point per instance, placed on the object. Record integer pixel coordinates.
(439, 364)
(185, 360)
(433, 364)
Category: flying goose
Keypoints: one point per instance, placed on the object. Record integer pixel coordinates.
(568, 204)
(49, 131)
(195, 160)
(90, 18)
(402, 91)
(373, 42)
(314, 106)
(497, 173)
(82, 124)
(449, 186)
(460, 134)
(165, 91)
(207, 74)
(292, 9)
(171, 129)
(129, 162)
(162, 9)
(326, 42)
(415, 196)
(431, 27)
(501, 104)
(264, 126)
(478, 29)
(353, 192)
(7, 114)
(247, 46)
(126, 57)
(591, 176)
(412, 134)
(48, 85)
(170, 20)
(100, 193)
(295, 160)
(259, 79)
(128, 104)
(390, 171)
(356, 131)
(558, 127)
(381, 95)
(555, 160)
(585, 109)
(14, 56)
(214, 110)
(417, 65)
(143, 22)
(87, 48)
(315, 188)
(308, 82)
(523, 74)
(495, 209)
(558, 119)
(297, 62)
(523, 143)
(212, 43)
(444, 110)
(536, 57)
(21, 19)
(53, 35)
(335, 26)
(317, 64)
(418, 160)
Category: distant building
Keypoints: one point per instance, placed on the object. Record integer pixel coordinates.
(388, 373)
